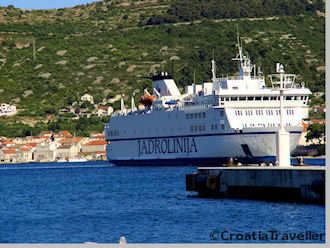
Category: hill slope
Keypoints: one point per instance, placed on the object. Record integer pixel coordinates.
(107, 48)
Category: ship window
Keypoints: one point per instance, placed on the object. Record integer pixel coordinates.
(258, 98)
(273, 98)
(250, 98)
(221, 99)
(234, 98)
(302, 98)
(204, 114)
(265, 98)
(222, 126)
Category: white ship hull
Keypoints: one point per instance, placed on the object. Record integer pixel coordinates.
(202, 150)
(235, 117)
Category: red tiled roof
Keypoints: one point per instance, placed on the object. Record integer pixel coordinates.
(77, 139)
(318, 121)
(7, 142)
(31, 144)
(96, 143)
(103, 107)
(65, 133)
(26, 148)
(9, 151)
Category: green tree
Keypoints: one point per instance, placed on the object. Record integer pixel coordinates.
(315, 131)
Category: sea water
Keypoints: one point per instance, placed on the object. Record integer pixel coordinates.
(96, 202)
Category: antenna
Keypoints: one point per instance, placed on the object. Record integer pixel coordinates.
(214, 76)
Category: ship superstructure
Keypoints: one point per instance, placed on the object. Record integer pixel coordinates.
(229, 117)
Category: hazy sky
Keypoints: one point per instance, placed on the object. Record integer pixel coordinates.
(43, 4)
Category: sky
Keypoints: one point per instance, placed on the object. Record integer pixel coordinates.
(43, 4)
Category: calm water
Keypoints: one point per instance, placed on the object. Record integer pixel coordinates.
(75, 205)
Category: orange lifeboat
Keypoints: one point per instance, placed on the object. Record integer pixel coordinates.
(147, 100)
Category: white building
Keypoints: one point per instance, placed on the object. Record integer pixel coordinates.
(45, 152)
(87, 98)
(7, 110)
(104, 111)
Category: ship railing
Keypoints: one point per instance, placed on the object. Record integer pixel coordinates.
(241, 78)
(288, 81)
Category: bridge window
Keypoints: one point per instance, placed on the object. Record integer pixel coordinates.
(258, 98)
(250, 98)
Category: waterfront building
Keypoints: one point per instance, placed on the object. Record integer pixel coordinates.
(45, 152)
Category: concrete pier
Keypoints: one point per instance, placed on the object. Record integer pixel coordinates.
(297, 184)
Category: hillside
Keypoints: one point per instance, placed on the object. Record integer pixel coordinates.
(107, 48)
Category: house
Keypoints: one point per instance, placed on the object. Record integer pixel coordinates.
(45, 152)
(318, 94)
(98, 136)
(95, 149)
(8, 155)
(318, 121)
(64, 110)
(7, 110)
(69, 148)
(8, 143)
(87, 98)
(67, 151)
(25, 154)
(104, 111)
(319, 109)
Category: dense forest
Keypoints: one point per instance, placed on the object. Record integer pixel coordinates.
(190, 10)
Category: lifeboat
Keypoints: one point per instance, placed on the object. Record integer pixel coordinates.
(147, 100)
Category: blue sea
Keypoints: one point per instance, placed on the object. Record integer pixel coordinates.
(96, 202)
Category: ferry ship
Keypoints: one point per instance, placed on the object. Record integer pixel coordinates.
(228, 118)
